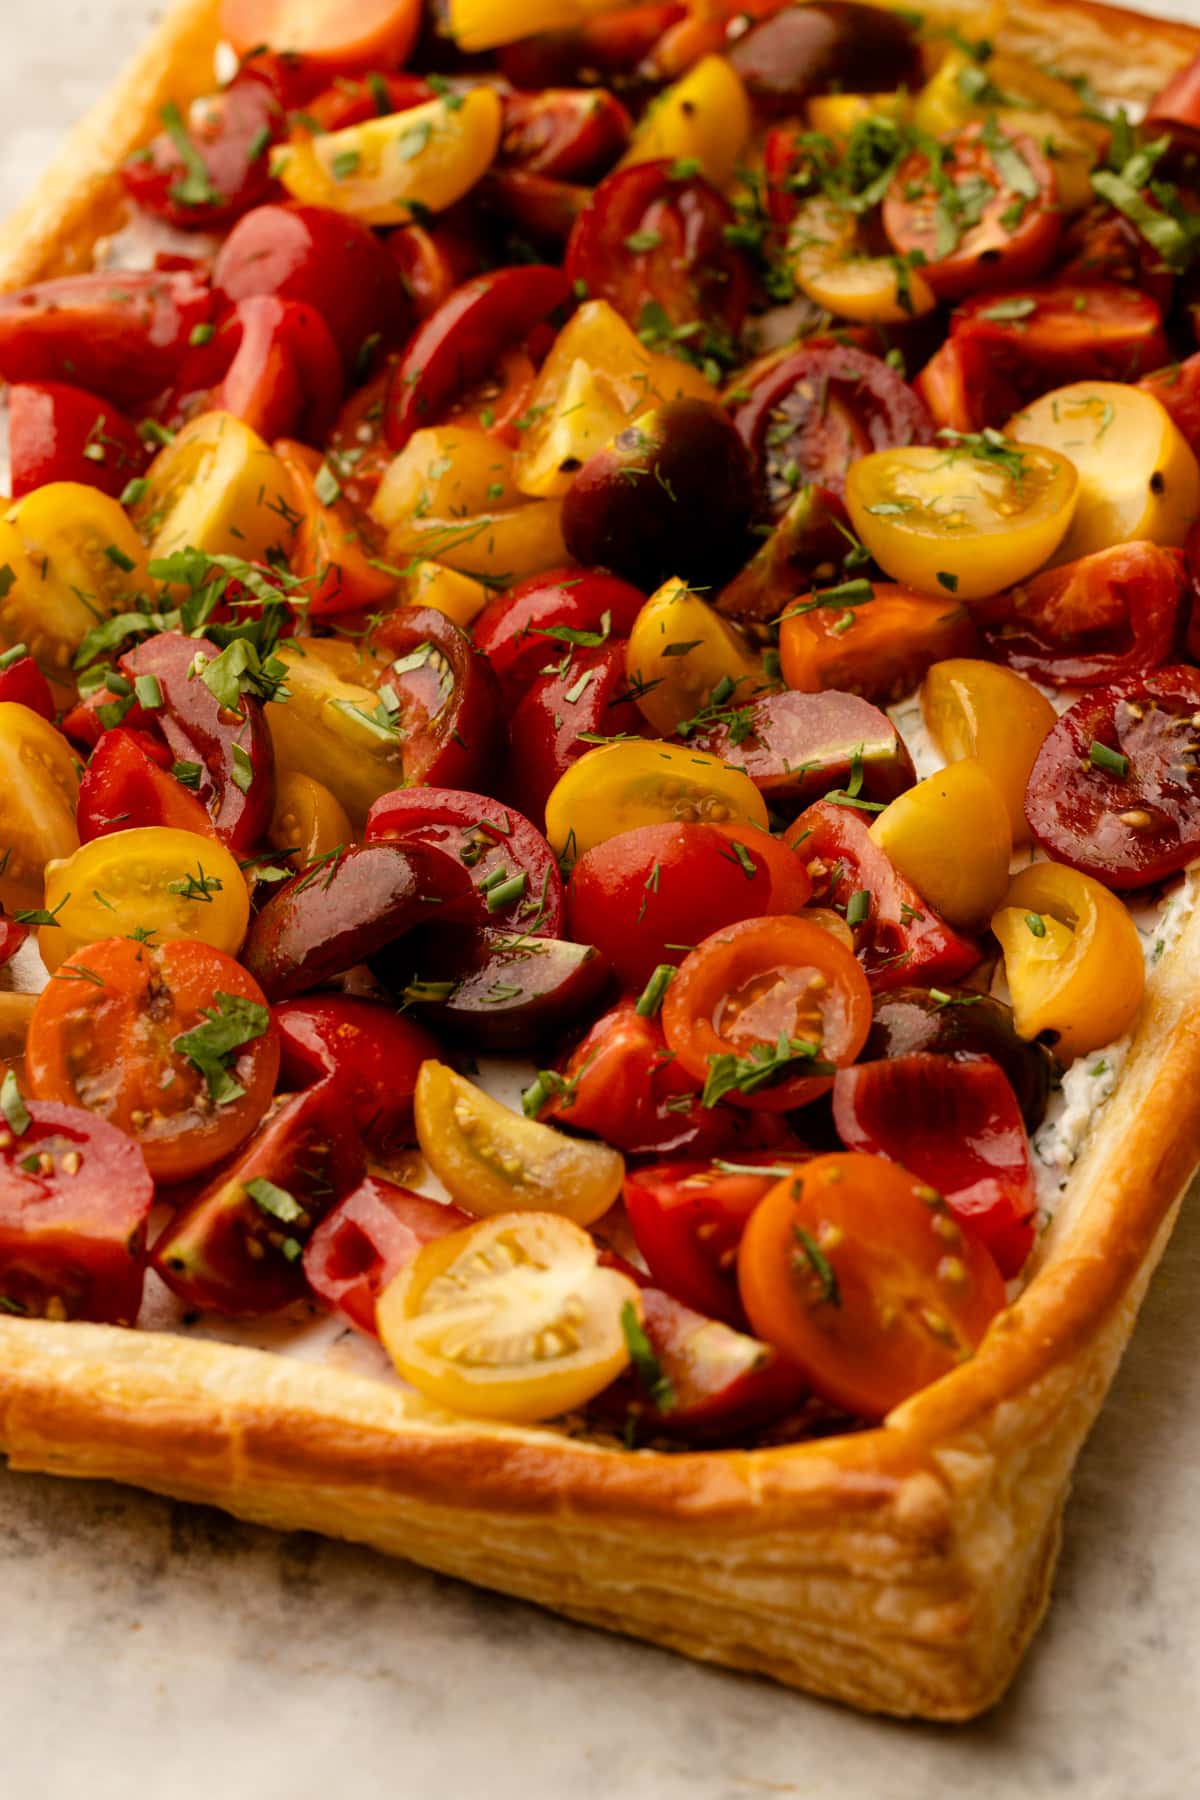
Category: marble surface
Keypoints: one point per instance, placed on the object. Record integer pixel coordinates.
(145, 1640)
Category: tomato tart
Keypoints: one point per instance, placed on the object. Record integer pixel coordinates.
(600, 701)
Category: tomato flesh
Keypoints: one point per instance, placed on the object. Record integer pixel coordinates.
(366, 1240)
(501, 851)
(372, 1053)
(61, 433)
(1106, 616)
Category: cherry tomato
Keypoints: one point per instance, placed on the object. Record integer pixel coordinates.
(536, 207)
(22, 682)
(1102, 245)
(435, 259)
(831, 47)
(332, 724)
(62, 433)
(653, 243)
(961, 388)
(499, 400)
(203, 172)
(924, 830)
(615, 787)
(307, 823)
(1107, 616)
(336, 548)
(815, 411)
(520, 632)
(954, 1122)
(976, 709)
(173, 1043)
(913, 1021)
(237, 1247)
(1177, 388)
(75, 1195)
(125, 785)
(39, 792)
(1176, 110)
(572, 134)
(877, 641)
(986, 218)
(356, 447)
(72, 559)
(807, 545)
(338, 35)
(645, 897)
(608, 44)
(352, 99)
(511, 865)
(561, 714)
(1115, 791)
(898, 936)
(365, 1242)
(763, 1011)
(372, 1053)
(122, 335)
(1043, 336)
(272, 363)
(681, 652)
(844, 1267)
(795, 747)
(444, 697)
(215, 487)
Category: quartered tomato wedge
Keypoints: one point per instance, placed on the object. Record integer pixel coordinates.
(126, 785)
(121, 336)
(1043, 336)
(1110, 615)
(442, 696)
(583, 699)
(846, 1269)
(573, 134)
(372, 1053)
(797, 746)
(61, 433)
(205, 171)
(876, 638)
(365, 1242)
(954, 1122)
(523, 632)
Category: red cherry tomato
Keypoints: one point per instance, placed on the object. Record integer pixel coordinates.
(644, 896)
(272, 363)
(324, 259)
(954, 1122)
(12, 936)
(962, 390)
(356, 443)
(1106, 616)
(1178, 388)
(572, 134)
(814, 411)
(354, 99)
(23, 682)
(900, 939)
(366, 1240)
(447, 703)
(787, 164)
(1176, 110)
(336, 547)
(125, 786)
(1115, 790)
(1102, 245)
(536, 206)
(497, 400)
(881, 650)
(61, 433)
(519, 631)
(372, 1053)
(203, 173)
(237, 1247)
(87, 722)
(612, 44)
(461, 341)
(795, 747)
(121, 335)
(338, 38)
(561, 715)
(75, 1195)
(436, 259)
(692, 274)
(1068, 332)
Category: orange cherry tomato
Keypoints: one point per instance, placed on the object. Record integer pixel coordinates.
(763, 1011)
(500, 398)
(336, 548)
(879, 646)
(338, 34)
(857, 1272)
(172, 1042)
(308, 822)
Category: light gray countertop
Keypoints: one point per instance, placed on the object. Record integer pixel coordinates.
(146, 1644)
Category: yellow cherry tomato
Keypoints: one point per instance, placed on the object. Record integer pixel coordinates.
(951, 838)
(617, 787)
(71, 558)
(1072, 956)
(168, 883)
(483, 24)
(704, 117)
(1071, 152)
(492, 1160)
(679, 651)
(384, 170)
(969, 518)
(329, 726)
(512, 1318)
(489, 546)
(836, 115)
(1137, 476)
(456, 595)
(833, 269)
(446, 472)
(217, 487)
(39, 789)
(985, 711)
(308, 822)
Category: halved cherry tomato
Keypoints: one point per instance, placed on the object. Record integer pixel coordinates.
(499, 401)
(813, 412)
(238, 1246)
(1103, 245)
(924, 830)
(1066, 331)
(955, 1122)
(307, 823)
(807, 544)
(72, 560)
(962, 389)
(1072, 957)
(763, 1011)
(572, 134)
(898, 936)
(653, 243)
(216, 487)
(205, 171)
(645, 897)
(365, 1242)
(826, 48)
(328, 33)
(978, 710)
(704, 119)
(443, 696)
(39, 792)
(871, 638)
(436, 258)
(351, 99)
(509, 1319)
(913, 1021)
(125, 785)
(1177, 388)
(681, 651)
(1176, 110)
(121, 335)
(1115, 790)
(273, 364)
(845, 1268)
(75, 1195)
(832, 264)
(617, 786)
(584, 697)
(1106, 616)
(447, 471)
(795, 747)
(333, 724)
(62, 433)
(356, 447)
(172, 1042)
(372, 1053)
(986, 218)
(336, 548)
(22, 682)
(688, 1219)
(520, 632)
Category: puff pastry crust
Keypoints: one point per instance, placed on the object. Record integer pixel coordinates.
(903, 1569)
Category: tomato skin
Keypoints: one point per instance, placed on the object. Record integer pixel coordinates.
(1178, 389)
(825, 48)
(460, 342)
(1102, 245)
(954, 1122)
(512, 630)
(73, 1241)
(367, 1239)
(886, 650)
(693, 273)
(1176, 110)
(449, 702)
(12, 936)
(876, 411)
(902, 940)
(350, 101)
(24, 683)
(910, 1021)
(547, 726)
(273, 364)
(1125, 831)
(222, 1251)
(322, 259)
(799, 746)
(962, 389)
(124, 785)
(345, 39)
(120, 336)
(435, 259)
(488, 839)
(570, 134)
(1106, 616)
(62, 433)
(373, 1054)
(1076, 332)
(232, 133)
(334, 545)
(642, 894)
